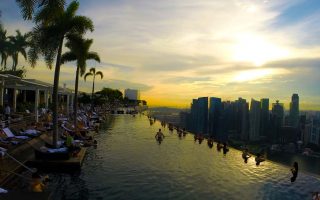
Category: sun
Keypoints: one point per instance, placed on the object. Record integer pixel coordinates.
(257, 50)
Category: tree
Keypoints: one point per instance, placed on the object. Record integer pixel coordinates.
(79, 51)
(53, 24)
(19, 44)
(5, 47)
(92, 72)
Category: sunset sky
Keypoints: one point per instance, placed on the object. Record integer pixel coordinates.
(176, 50)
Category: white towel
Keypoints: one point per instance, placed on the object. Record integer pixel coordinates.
(3, 191)
(64, 149)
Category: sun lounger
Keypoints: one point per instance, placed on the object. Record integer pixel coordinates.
(30, 132)
(52, 154)
(9, 134)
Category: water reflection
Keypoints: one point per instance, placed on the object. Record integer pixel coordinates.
(128, 164)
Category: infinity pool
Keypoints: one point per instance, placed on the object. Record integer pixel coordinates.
(129, 164)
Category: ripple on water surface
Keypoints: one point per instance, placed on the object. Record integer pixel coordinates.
(129, 164)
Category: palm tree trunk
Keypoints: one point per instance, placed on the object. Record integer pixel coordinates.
(75, 104)
(92, 87)
(94, 77)
(55, 96)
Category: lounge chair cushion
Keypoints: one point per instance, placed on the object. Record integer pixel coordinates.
(9, 134)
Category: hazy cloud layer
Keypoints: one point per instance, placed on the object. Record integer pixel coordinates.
(176, 50)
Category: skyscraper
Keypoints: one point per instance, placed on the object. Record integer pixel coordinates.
(203, 115)
(214, 115)
(277, 119)
(294, 111)
(199, 115)
(132, 94)
(193, 115)
(242, 115)
(264, 119)
(254, 117)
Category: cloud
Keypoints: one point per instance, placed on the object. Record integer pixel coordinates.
(181, 80)
(176, 50)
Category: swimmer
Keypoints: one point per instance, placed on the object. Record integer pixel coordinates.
(294, 172)
(225, 148)
(159, 136)
(219, 146)
(259, 159)
(184, 132)
(210, 143)
(245, 155)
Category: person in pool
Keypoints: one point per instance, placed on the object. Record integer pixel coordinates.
(210, 142)
(219, 146)
(159, 136)
(259, 158)
(225, 148)
(294, 172)
(245, 155)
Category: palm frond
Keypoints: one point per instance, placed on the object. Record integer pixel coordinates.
(93, 56)
(100, 74)
(86, 75)
(68, 57)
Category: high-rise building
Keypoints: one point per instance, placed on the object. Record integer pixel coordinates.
(132, 94)
(277, 120)
(264, 119)
(294, 111)
(254, 117)
(242, 115)
(203, 115)
(199, 115)
(215, 109)
(193, 115)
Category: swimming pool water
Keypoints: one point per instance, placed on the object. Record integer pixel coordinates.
(129, 164)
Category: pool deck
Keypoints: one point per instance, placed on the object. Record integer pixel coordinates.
(70, 164)
(18, 195)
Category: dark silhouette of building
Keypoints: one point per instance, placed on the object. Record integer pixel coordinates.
(199, 115)
(265, 117)
(254, 119)
(215, 110)
(294, 111)
(277, 120)
(242, 116)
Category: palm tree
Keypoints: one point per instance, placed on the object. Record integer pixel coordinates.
(53, 24)
(19, 44)
(5, 47)
(44, 11)
(92, 72)
(79, 51)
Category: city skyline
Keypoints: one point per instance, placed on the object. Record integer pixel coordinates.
(173, 51)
